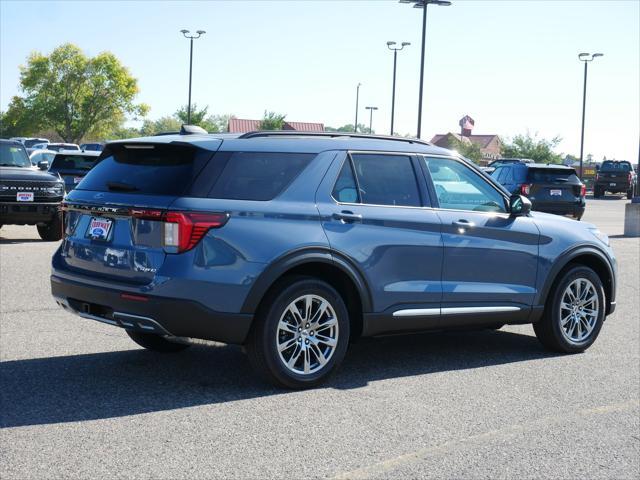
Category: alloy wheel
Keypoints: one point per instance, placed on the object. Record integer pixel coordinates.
(579, 310)
(307, 334)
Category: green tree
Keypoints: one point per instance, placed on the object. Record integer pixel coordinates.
(348, 128)
(537, 149)
(161, 125)
(271, 121)
(468, 150)
(73, 94)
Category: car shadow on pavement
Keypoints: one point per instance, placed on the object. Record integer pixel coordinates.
(114, 384)
(12, 241)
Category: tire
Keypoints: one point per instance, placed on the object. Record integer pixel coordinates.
(156, 343)
(630, 194)
(596, 192)
(52, 231)
(578, 335)
(277, 325)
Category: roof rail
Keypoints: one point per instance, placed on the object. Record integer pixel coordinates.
(295, 133)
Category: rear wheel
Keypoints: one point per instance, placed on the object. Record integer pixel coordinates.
(630, 193)
(300, 335)
(597, 192)
(52, 231)
(573, 316)
(154, 342)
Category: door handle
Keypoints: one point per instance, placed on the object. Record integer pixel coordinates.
(347, 216)
(462, 225)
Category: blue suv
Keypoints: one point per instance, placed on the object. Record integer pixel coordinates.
(294, 244)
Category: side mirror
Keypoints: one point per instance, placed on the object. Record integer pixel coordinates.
(519, 205)
(43, 165)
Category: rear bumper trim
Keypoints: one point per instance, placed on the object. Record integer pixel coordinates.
(173, 317)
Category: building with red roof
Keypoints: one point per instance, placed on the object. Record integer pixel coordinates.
(240, 125)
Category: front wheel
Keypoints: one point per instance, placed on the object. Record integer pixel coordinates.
(52, 231)
(300, 334)
(573, 316)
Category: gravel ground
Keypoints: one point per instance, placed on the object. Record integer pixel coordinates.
(80, 400)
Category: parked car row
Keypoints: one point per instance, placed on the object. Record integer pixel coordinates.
(32, 144)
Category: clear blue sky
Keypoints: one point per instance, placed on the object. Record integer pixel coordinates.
(511, 65)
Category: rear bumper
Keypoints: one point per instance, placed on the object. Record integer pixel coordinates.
(561, 208)
(27, 213)
(619, 187)
(161, 315)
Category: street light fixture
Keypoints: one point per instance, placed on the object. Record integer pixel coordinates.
(586, 58)
(423, 5)
(191, 38)
(371, 109)
(395, 50)
(355, 125)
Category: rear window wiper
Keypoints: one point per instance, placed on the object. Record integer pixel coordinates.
(121, 187)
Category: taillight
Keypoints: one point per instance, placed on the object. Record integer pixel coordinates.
(630, 177)
(524, 188)
(583, 190)
(183, 230)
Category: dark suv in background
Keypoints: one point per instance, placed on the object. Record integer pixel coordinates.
(551, 188)
(295, 244)
(28, 195)
(616, 177)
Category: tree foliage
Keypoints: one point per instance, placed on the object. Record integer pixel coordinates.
(347, 128)
(271, 121)
(73, 94)
(537, 149)
(468, 150)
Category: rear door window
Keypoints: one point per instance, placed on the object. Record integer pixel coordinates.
(255, 175)
(385, 179)
(153, 169)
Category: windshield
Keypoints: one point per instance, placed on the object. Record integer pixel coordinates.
(73, 162)
(34, 141)
(616, 166)
(13, 156)
(40, 156)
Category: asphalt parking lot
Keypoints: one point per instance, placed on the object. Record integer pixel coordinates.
(80, 400)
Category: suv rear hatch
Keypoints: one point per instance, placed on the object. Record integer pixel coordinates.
(72, 168)
(118, 223)
(553, 185)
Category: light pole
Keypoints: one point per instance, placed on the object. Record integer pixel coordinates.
(395, 50)
(586, 58)
(423, 5)
(371, 109)
(198, 34)
(355, 125)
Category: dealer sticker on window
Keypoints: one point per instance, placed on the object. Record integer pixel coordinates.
(24, 196)
(99, 228)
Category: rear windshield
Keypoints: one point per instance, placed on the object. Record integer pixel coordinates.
(146, 169)
(541, 175)
(255, 175)
(73, 162)
(615, 166)
(13, 156)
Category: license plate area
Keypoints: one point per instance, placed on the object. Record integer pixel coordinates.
(99, 228)
(612, 184)
(555, 192)
(24, 197)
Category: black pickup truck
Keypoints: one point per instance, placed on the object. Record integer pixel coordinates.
(29, 195)
(615, 177)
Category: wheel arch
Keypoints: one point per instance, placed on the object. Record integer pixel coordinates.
(590, 257)
(336, 270)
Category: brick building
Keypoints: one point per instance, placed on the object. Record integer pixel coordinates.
(490, 145)
(239, 125)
